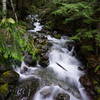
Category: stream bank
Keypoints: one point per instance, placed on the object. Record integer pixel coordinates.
(55, 75)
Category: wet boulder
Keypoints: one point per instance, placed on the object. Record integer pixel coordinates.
(29, 60)
(25, 69)
(87, 83)
(7, 80)
(9, 77)
(53, 92)
(44, 60)
(62, 96)
(24, 90)
(4, 91)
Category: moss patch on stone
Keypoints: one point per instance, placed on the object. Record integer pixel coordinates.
(4, 89)
(9, 77)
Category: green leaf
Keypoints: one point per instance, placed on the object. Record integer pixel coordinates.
(10, 20)
(3, 20)
(97, 68)
(76, 37)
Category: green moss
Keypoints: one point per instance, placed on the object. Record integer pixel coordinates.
(9, 73)
(9, 77)
(4, 89)
(6, 74)
(58, 36)
(49, 25)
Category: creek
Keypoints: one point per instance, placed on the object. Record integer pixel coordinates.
(61, 76)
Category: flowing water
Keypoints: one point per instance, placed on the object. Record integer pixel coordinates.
(62, 74)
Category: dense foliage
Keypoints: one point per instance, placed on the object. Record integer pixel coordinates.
(79, 19)
(14, 40)
(84, 13)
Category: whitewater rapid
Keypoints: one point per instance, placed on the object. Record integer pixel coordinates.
(62, 74)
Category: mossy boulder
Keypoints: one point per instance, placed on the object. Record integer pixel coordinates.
(9, 77)
(4, 91)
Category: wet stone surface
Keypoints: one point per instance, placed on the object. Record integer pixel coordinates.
(24, 90)
(87, 83)
(28, 60)
(62, 96)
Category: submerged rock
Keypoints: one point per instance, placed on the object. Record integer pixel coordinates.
(25, 69)
(51, 93)
(62, 96)
(46, 92)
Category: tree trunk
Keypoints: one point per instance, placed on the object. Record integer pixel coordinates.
(4, 8)
(13, 8)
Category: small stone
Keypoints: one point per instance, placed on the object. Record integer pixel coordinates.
(62, 96)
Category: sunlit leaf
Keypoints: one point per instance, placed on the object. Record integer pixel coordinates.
(10, 20)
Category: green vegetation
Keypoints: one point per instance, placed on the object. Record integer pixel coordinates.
(14, 40)
(79, 19)
(4, 89)
(76, 18)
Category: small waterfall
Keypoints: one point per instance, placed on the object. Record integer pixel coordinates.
(62, 74)
(59, 56)
(36, 24)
